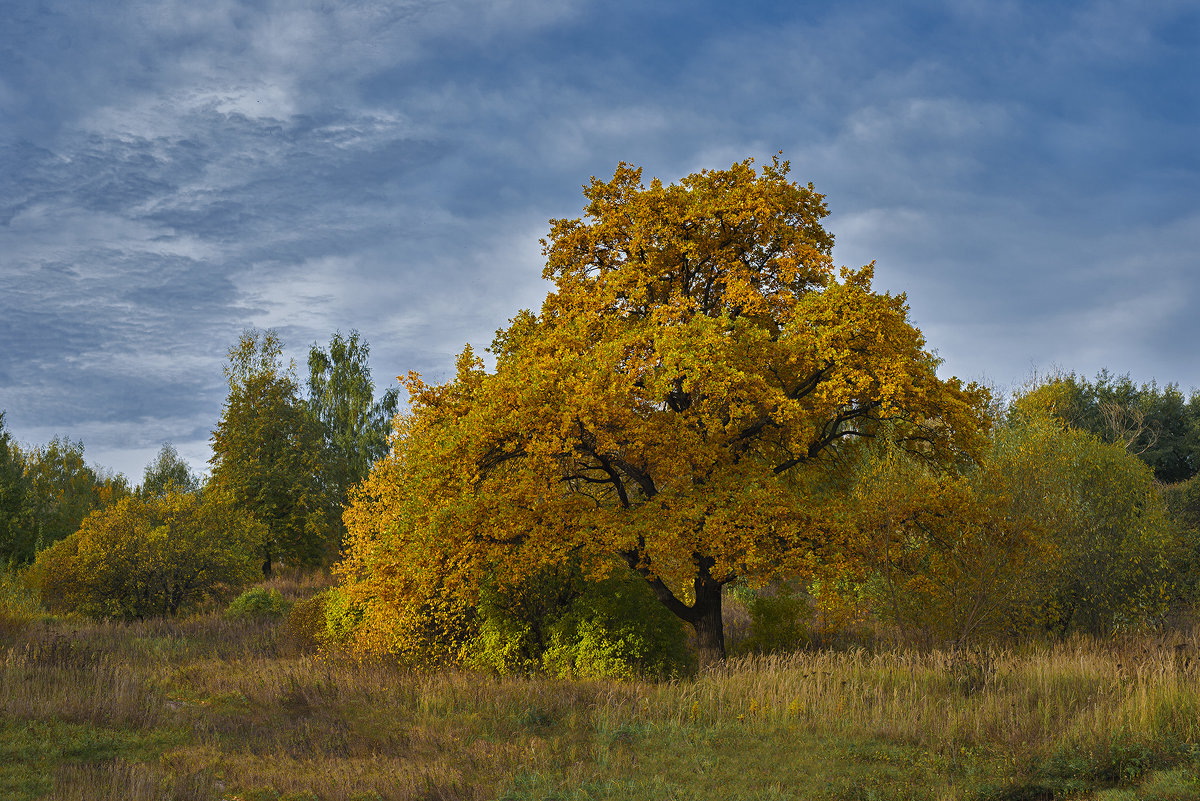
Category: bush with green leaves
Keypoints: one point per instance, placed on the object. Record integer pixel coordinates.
(616, 629)
(567, 625)
(1183, 508)
(1109, 565)
(342, 617)
(1052, 530)
(147, 556)
(780, 620)
(511, 622)
(258, 603)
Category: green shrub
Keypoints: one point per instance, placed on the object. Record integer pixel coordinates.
(618, 629)
(779, 621)
(1053, 530)
(1183, 508)
(1104, 561)
(512, 622)
(258, 603)
(504, 644)
(141, 557)
(342, 616)
(568, 626)
(557, 621)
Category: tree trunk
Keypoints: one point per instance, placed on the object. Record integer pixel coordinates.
(704, 615)
(709, 627)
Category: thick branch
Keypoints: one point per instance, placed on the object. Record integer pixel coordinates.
(616, 480)
(677, 607)
(804, 388)
(610, 460)
(678, 399)
(830, 432)
(497, 455)
(642, 478)
(810, 383)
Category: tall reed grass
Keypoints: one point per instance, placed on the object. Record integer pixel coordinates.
(1037, 697)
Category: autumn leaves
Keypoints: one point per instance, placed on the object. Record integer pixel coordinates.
(680, 406)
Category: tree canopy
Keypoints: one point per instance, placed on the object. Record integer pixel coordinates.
(269, 453)
(341, 396)
(13, 488)
(150, 555)
(47, 491)
(676, 405)
(1157, 424)
(167, 472)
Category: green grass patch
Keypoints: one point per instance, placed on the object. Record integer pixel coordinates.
(33, 751)
(746, 761)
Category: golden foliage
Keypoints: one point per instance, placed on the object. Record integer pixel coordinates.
(677, 402)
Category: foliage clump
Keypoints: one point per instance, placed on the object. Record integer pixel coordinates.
(561, 621)
(1054, 530)
(780, 620)
(146, 556)
(305, 628)
(258, 603)
(18, 603)
(1183, 508)
(567, 625)
(46, 492)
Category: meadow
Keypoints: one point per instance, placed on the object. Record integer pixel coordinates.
(207, 708)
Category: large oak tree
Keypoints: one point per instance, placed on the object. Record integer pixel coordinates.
(674, 407)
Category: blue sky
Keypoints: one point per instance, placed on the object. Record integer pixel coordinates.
(172, 173)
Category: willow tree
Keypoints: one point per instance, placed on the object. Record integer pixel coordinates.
(673, 407)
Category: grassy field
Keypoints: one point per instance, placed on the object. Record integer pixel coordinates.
(206, 708)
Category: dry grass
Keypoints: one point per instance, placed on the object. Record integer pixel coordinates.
(208, 708)
(295, 584)
(118, 780)
(1037, 697)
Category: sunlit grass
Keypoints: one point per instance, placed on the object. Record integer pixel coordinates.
(207, 708)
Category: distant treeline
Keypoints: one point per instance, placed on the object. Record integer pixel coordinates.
(283, 465)
(1157, 424)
